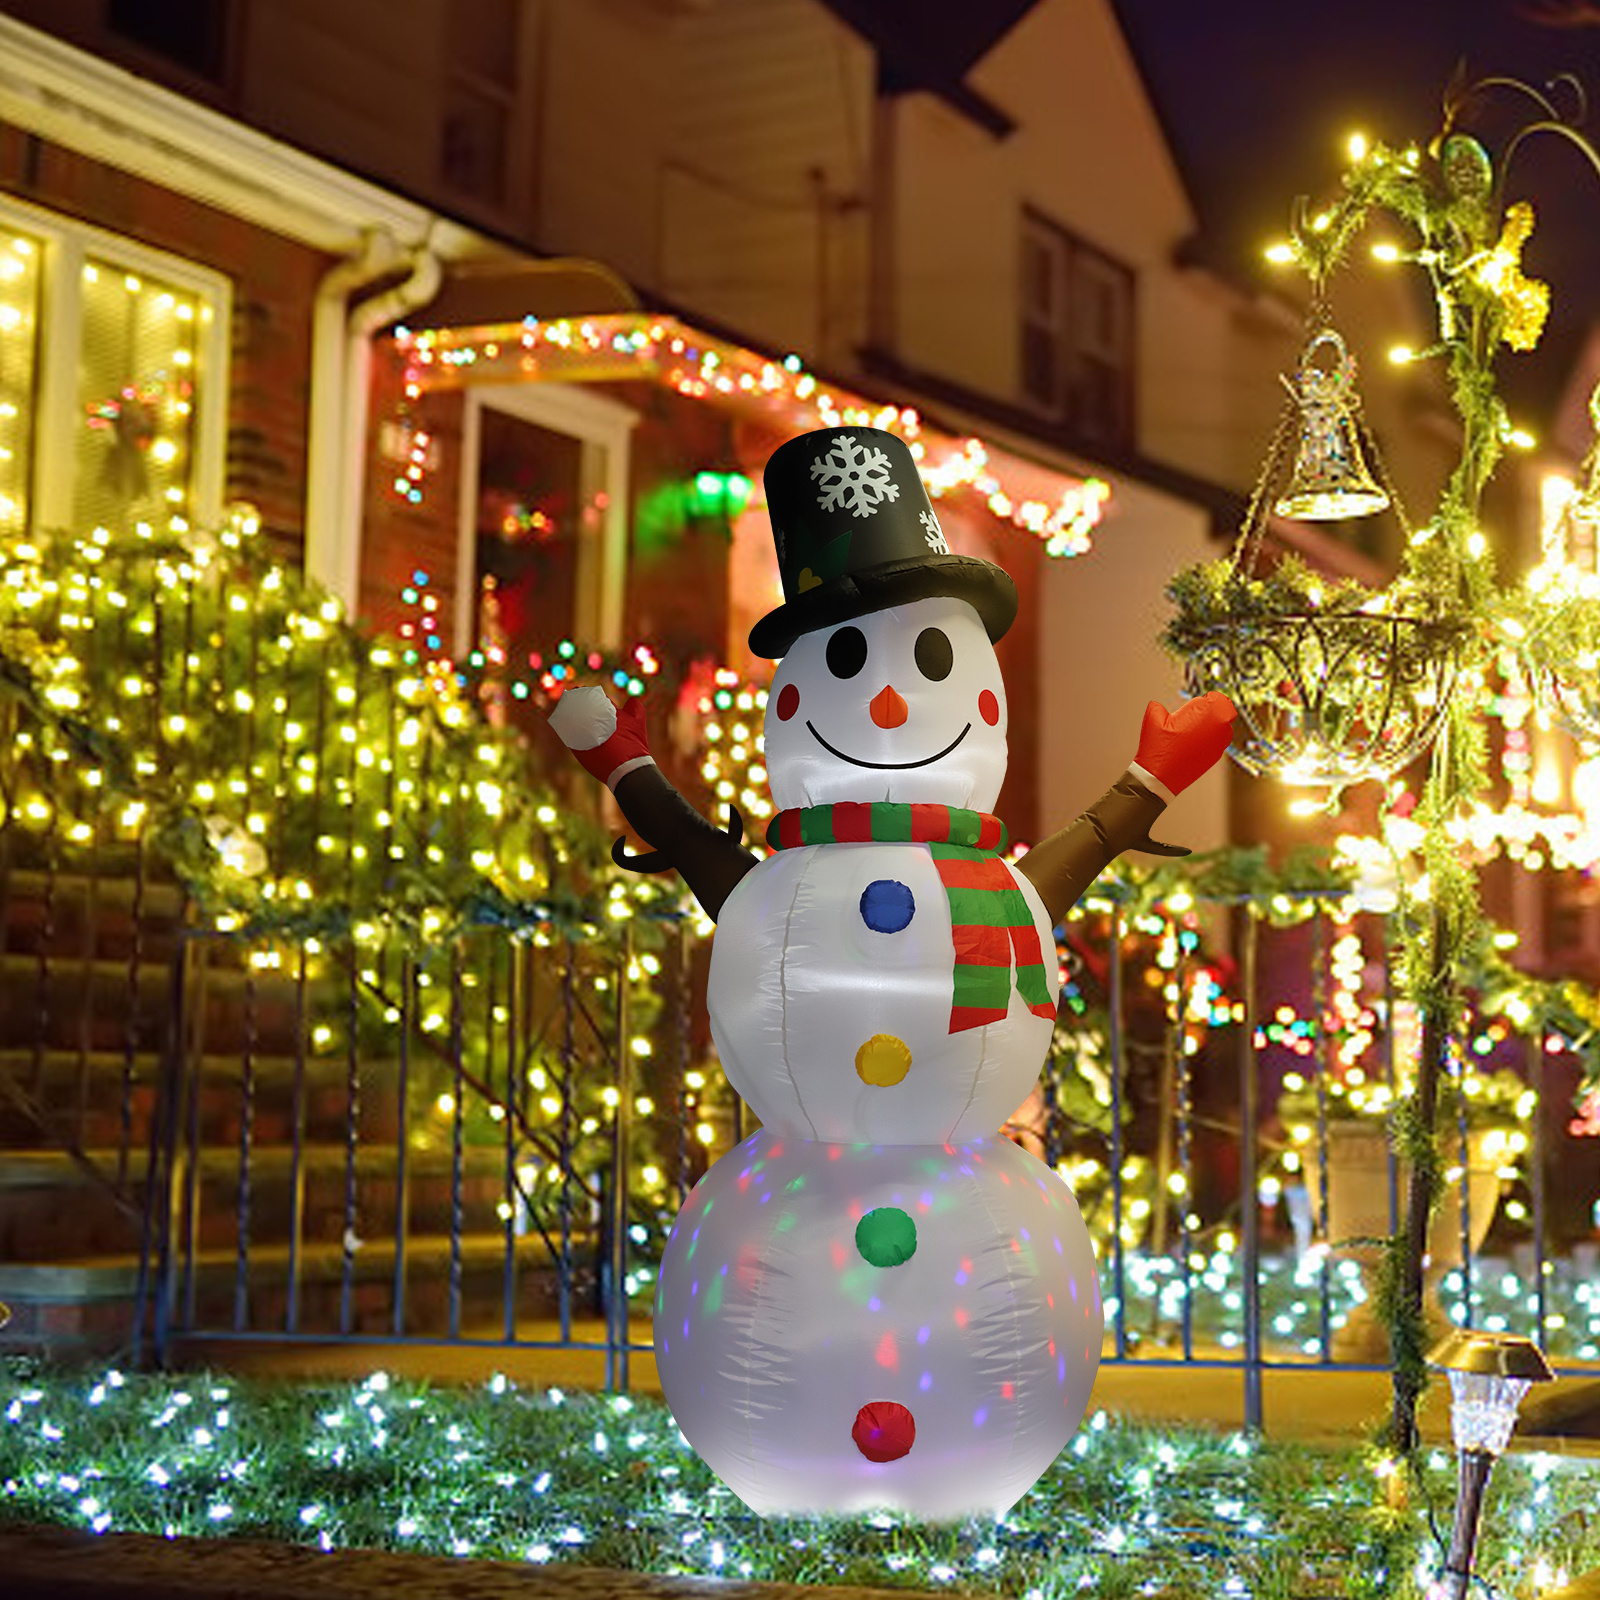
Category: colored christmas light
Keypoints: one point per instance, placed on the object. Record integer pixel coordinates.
(699, 366)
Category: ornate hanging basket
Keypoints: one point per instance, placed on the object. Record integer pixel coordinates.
(1329, 698)
(1572, 701)
(1558, 619)
(1567, 690)
(1333, 683)
(1562, 655)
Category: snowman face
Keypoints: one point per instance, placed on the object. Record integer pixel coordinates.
(905, 704)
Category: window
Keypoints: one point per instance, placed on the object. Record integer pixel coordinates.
(544, 512)
(191, 34)
(1077, 334)
(112, 381)
(480, 91)
(19, 333)
(543, 528)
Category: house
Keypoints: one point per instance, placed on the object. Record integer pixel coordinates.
(817, 194)
(493, 312)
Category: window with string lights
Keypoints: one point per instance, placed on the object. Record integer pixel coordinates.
(113, 380)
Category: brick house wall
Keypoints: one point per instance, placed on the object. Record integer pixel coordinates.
(397, 537)
(274, 283)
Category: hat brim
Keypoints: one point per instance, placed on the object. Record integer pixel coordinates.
(988, 589)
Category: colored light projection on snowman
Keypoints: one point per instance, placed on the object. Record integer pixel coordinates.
(877, 1301)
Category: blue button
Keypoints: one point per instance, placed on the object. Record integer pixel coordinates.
(887, 906)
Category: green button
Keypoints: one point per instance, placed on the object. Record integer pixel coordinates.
(886, 1237)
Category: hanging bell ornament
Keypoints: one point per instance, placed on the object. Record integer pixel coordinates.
(1330, 480)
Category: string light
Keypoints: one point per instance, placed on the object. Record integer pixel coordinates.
(548, 1477)
(731, 748)
(19, 299)
(701, 367)
(490, 675)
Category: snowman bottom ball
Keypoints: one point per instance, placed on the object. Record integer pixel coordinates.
(842, 1328)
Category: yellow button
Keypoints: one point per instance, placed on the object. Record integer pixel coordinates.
(883, 1060)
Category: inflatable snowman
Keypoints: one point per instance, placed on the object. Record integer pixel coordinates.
(877, 1301)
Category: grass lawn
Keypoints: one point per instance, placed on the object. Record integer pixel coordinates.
(608, 1481)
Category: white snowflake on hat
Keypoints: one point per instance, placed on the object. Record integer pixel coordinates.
(933, 533)
(854, 475)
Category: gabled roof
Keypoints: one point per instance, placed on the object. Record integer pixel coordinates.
(933, 47)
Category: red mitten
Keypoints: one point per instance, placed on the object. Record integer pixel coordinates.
(1176, 748)
(608, 745)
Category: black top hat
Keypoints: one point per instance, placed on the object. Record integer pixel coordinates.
(856, 532)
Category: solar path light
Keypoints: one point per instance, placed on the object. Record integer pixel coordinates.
(1489, 1375)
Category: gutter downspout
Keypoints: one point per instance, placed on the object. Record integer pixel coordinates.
(417, 288)
(378, 254)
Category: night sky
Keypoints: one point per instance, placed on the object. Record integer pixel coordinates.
(1259, 95)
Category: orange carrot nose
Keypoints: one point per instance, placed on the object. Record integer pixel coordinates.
(888, 709)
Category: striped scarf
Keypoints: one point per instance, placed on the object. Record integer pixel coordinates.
(989, 917)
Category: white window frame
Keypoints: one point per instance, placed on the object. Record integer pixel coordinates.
(506, 96)
(604, 429)
(66, 243)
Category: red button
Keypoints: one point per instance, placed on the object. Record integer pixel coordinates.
(884, 1430)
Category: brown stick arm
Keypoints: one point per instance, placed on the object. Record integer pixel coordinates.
(1064, 865)
(710, 861)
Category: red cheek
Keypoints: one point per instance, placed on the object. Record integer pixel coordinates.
(988, 707)
(789, 701)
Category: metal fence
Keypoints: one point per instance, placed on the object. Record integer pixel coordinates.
(479, 1143)
(485, 1138)
(392, 1142)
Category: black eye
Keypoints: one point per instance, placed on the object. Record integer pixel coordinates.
(934, 655)
(847, 652)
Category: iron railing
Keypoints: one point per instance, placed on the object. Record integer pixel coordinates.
(447, 1145)
(462, 1141)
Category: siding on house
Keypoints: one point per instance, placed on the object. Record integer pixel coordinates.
(357, 82)
(766, 172)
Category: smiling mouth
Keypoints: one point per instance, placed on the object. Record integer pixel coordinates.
(897, 766)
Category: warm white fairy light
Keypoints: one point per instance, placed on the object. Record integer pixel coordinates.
(731, 754)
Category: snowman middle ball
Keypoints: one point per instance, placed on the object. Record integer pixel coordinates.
(830, 983)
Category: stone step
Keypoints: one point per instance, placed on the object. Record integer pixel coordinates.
(96, 1004)
(25, 850)
(76, 914)
(88, 1303)
(157, 893)
(82, 1096)
(51, 1210)
(50, 1169)
(215, 1069)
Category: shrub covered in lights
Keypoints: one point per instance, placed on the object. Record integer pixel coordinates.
(301, 776)
(1498, 1100)
(604, 1480)
(729, 744)
(344, 806)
